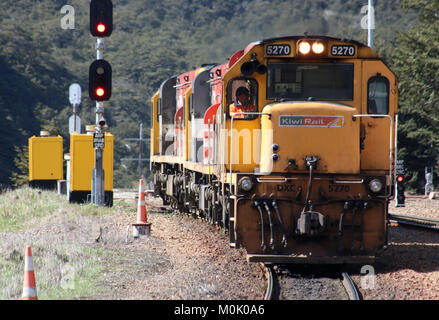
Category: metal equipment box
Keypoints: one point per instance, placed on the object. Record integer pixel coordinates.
(45, 160)
(82, 162)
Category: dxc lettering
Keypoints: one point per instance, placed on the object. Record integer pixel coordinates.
(286, 188)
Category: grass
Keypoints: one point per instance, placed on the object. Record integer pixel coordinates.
(66, 265)
(26, 207)
(76, 279)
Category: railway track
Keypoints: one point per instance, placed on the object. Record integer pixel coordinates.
(308, 283)
(331, 285)
(413, 221)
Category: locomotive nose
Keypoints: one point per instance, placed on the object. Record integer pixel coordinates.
(301, 129)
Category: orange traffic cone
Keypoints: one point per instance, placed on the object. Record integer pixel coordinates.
(141, 207)
(142, 226)
(29, 288)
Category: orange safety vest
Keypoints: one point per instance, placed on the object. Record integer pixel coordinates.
(237, 108)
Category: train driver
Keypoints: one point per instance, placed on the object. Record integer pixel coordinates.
(242, 104)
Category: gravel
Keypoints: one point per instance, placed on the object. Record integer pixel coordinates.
(189, 259)
(184, 258)
(408, 269)
(310, 283)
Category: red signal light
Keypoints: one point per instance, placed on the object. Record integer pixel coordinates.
(101, 27)
(400, 179)
(100, 92)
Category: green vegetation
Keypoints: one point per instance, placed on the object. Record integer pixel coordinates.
(26, 207)
(78, 251)
(153, 40)
(416, 61)
(66, 268)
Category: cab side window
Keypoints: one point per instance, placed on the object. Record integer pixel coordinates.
(378, 95)
(242, 96)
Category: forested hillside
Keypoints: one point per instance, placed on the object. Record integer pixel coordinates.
(151, 41)
(416, 60)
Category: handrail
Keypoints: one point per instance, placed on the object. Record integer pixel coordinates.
(391, 138)
(182, 84)
(214, 80)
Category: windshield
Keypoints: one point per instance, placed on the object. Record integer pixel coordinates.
(302, 81)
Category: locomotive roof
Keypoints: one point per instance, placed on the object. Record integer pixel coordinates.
(308, 36)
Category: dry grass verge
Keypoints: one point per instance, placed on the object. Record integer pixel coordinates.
(66, 266)
(80, 252)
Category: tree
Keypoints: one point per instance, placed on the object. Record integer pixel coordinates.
(152, 41)
(21, 161)
(416, 61)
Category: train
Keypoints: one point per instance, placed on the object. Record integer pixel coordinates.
(289, 146)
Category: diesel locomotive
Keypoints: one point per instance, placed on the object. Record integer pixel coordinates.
(299, 170)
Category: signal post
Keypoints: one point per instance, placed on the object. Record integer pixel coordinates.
(100, 74)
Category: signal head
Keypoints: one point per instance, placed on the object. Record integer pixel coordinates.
(100, 80)
(101, 18)
(400, 188)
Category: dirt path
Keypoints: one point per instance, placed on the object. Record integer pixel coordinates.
(184, 258)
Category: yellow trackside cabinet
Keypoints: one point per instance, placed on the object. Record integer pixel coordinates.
(45, 161)
(82, 162)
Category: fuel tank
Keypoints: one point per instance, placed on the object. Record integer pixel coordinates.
(293, 131)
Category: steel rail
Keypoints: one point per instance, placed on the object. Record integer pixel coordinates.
(413, 221)
(416, 218)
(350, 287)
(270, 283)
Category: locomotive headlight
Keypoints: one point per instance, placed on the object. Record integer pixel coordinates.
(245, 184)
(318, 47)
(375, 185)
(304, 47)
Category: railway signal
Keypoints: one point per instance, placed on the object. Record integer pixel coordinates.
(400, 197)
(101, 26)
(101, 18)
(100, 80)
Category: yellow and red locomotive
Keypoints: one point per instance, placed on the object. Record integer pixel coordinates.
(302, 169)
